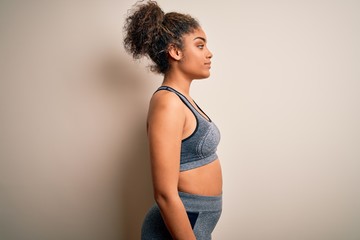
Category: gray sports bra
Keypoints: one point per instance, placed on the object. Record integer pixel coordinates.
(200, 147)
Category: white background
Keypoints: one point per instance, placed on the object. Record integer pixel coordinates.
(284, 91)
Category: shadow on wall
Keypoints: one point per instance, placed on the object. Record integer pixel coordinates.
(136, 190)
(133, 179)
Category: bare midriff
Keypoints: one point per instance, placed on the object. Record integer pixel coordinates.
(205, 180)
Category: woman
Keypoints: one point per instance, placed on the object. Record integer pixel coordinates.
(186, 172)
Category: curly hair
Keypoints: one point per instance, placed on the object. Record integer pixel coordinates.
(149, 32)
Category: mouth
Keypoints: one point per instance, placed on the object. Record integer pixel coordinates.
(208, 64)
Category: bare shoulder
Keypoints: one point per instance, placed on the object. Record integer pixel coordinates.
(166, 117)
(166, 102)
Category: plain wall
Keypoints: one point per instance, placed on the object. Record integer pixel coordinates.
(284, 91)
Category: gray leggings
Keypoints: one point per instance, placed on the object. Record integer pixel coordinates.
(203, 212)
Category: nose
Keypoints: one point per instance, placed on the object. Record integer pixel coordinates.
(209, 54)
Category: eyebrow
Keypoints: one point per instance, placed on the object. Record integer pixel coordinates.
(200, 38)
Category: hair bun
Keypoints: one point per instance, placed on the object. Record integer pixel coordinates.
(143, 27)
(148, 32)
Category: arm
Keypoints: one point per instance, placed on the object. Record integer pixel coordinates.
(165, 126)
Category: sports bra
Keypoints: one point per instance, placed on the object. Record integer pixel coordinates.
(200, 147)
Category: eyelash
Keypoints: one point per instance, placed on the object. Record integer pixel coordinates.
(201, 46)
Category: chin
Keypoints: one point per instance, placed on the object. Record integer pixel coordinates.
(207, 75)
(203, 76)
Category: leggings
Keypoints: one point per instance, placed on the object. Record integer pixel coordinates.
(203, 213)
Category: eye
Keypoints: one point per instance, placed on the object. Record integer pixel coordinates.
(201, 46)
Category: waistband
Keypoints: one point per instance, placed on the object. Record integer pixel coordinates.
(194, 202)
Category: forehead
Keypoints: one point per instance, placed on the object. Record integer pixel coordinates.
(194, 35)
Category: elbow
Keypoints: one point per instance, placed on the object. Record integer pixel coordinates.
(165, 198)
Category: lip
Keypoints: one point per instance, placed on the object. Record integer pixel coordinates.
(208, 64)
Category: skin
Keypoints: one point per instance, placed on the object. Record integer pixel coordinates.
(170, 121)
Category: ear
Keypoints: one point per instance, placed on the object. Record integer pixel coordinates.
(174, 52)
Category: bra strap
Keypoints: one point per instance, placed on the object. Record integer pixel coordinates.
(180, 95)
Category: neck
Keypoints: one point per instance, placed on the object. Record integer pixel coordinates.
(177, 82)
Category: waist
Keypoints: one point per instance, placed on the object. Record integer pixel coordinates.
(195, 202)
(204, 180)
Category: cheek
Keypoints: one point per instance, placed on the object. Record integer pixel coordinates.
(197, 59)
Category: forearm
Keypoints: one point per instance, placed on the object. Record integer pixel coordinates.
(175, 218)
